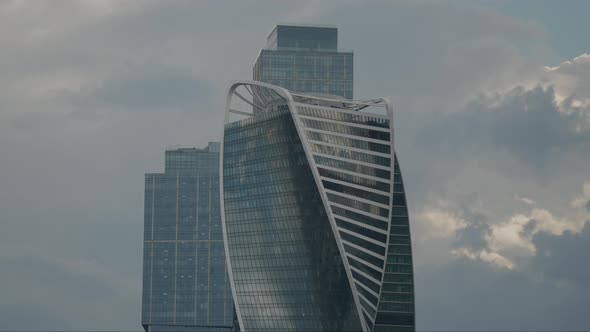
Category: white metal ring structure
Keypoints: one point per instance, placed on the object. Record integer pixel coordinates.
(313, 237)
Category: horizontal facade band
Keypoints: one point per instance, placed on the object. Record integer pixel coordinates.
(400, 302)
(368, 214)
(182, 241)
(361, 230)
(350, 130)
(362, 255)
(352, 237)
(366, 288)
(361, 189)
(378, 154)
(331, 109)
(396, 311)
(353, 161)
(345, 123)
(231, 110)
(361, 224)
(359, 138)
(360, 183)
(373, 306)
(356, 186)
(378, 282)
(365, 250)
(355, 156)
(356, 198)
(369, 265)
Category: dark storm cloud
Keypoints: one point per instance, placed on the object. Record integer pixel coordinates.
(560, 258)
(463, 296)
(525, 122)
(551, 293)
(485, 153)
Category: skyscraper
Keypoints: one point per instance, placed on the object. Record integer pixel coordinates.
(313, 213)
(306, 59)
(185, 283)
(303, 42)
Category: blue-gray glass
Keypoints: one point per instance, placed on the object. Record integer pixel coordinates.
(287, 268)
(396, 303)
(306, 59)
(325, 72)
(309, 37)
(185, 282)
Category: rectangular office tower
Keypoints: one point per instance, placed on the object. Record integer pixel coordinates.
(185, 282)
(313, 212)
(306, 59)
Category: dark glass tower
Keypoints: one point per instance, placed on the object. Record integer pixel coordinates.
(185, 281)
(295, 51)
(306, 59)
(314, 214)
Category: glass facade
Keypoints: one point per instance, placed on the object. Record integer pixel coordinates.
(396, 305)
(185, 280)
(315, 219)
(288, 272)
(306, 59)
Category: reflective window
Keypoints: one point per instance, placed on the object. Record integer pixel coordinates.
(286, 265)
(353, 167)
(397, 292)
(368, 195)
(185, 282)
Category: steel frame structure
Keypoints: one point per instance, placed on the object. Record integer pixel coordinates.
(371, 201)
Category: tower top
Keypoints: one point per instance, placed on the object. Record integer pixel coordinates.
(303, 36)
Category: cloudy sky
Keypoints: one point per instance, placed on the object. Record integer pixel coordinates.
(492, 131)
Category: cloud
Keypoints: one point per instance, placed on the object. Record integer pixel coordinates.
(441, 223)
(466, 295)
(512, 242)
(526, 123)
(92, 92)
(34, 283)
(583, 200)
(517, 233)
(150, 88)
(525, 200)
(501, 287)
(511, 236)
(560, 262)
(485, 256)
(518, 138)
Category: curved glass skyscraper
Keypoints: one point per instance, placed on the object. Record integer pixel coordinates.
(313, 213)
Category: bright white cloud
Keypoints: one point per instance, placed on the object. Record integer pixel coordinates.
(484, 256)
(509, 242)
(525, 200)
(514, 238)
(511, 236)
(571, 81)
(516, 234)
(441, 223)
(581, 200)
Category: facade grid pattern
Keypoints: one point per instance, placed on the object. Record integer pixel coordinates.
(314, 183)
(306, 59)
(185, 281)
